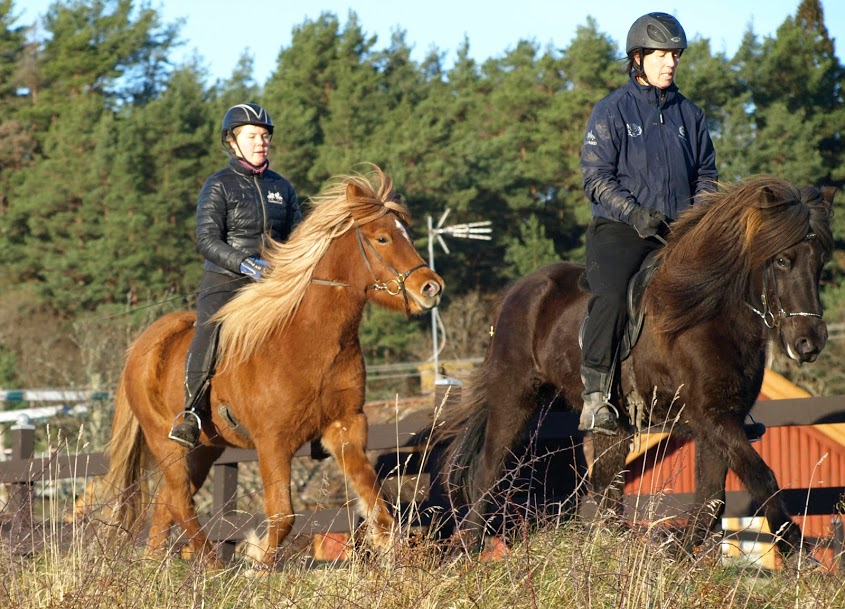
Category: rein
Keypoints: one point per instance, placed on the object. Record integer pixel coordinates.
(394, 286)
(772, 317)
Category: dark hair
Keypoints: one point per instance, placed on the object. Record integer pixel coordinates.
(631, 65)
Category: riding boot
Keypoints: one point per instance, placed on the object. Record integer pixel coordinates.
(598, 414)
(188, 423)
(199, 368)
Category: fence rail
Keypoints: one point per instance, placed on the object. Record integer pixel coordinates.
(398, 443)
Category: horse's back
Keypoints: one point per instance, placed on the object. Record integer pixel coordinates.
(155, 361)
(535, 336)
(162, 335)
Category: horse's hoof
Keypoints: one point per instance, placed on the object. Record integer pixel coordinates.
(802, 562)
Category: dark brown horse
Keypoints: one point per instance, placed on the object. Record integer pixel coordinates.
(737, 271)
(291, 367)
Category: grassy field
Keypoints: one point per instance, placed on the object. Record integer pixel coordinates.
(573, 565)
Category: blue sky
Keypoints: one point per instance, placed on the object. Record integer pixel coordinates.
(219, 31)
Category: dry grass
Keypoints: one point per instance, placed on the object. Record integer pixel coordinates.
(559, 562)
(572, 565)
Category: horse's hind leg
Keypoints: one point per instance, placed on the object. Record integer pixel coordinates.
(346, 440)
(507, 418)
(174, 504)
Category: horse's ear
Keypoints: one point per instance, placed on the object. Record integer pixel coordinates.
(353, 192)
(766, 196)
(828, 193)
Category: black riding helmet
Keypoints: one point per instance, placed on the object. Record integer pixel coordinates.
(245, 114)
(656, 31)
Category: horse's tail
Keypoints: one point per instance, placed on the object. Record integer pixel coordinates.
(127, 452)
(462, 429)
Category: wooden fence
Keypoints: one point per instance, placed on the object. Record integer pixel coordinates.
(398, 446)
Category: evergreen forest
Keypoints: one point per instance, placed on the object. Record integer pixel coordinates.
(105, 143)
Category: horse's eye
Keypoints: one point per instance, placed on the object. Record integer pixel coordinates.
(782, 262)
(382, 240)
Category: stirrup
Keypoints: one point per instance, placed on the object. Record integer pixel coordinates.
(184, 415)
(603, 430)
(754, 431)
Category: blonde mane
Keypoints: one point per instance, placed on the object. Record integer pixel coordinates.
(346, 201)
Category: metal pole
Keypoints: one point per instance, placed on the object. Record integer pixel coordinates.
(434, 344)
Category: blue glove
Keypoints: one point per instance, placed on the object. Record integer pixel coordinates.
(253, 267)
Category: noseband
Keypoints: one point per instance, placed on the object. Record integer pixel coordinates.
(773, 316)
(394, 286)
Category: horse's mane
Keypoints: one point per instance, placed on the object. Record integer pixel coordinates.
(716, 245)
(266, 306)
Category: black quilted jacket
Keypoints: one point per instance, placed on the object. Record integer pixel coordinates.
(238, 211)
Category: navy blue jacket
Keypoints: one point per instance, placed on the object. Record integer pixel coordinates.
(238, 210)
(646, 146)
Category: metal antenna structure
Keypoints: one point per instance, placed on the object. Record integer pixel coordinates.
(470, 230)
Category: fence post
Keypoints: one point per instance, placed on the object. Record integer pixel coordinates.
(225, 501)
(447, 395)
(21, 494)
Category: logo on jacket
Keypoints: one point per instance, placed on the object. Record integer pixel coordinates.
(275, 197)
(682, 133)
(634, 130)
(590, 140)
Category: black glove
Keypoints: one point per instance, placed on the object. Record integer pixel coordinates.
(253, 268)
(646, 221)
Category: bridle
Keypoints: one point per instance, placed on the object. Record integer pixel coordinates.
(773, 316)
(394, 286)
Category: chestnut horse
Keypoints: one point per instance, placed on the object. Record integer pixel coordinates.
(737, 271)
(290, 367)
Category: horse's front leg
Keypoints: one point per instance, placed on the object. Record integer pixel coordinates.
(346, 440)
(274, 466)
(711, 470)
(729, 439)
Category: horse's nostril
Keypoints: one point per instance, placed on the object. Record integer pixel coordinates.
(431, 289)
(807, 349)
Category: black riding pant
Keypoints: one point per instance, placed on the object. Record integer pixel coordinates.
(614, 254)
(216, 289)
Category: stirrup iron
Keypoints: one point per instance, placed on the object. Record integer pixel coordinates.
(184, 415)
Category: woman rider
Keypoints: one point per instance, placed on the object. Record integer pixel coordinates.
(240, 209)
(647, 154)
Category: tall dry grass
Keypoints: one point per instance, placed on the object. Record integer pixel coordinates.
(573, 565)
(553, 562)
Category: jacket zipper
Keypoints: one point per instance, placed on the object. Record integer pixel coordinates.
(263, 211)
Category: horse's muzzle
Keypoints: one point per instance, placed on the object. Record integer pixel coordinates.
(429, 294)
(806, 346)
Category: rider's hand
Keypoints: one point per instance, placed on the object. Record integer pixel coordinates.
(646, 221)
(253, 267)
